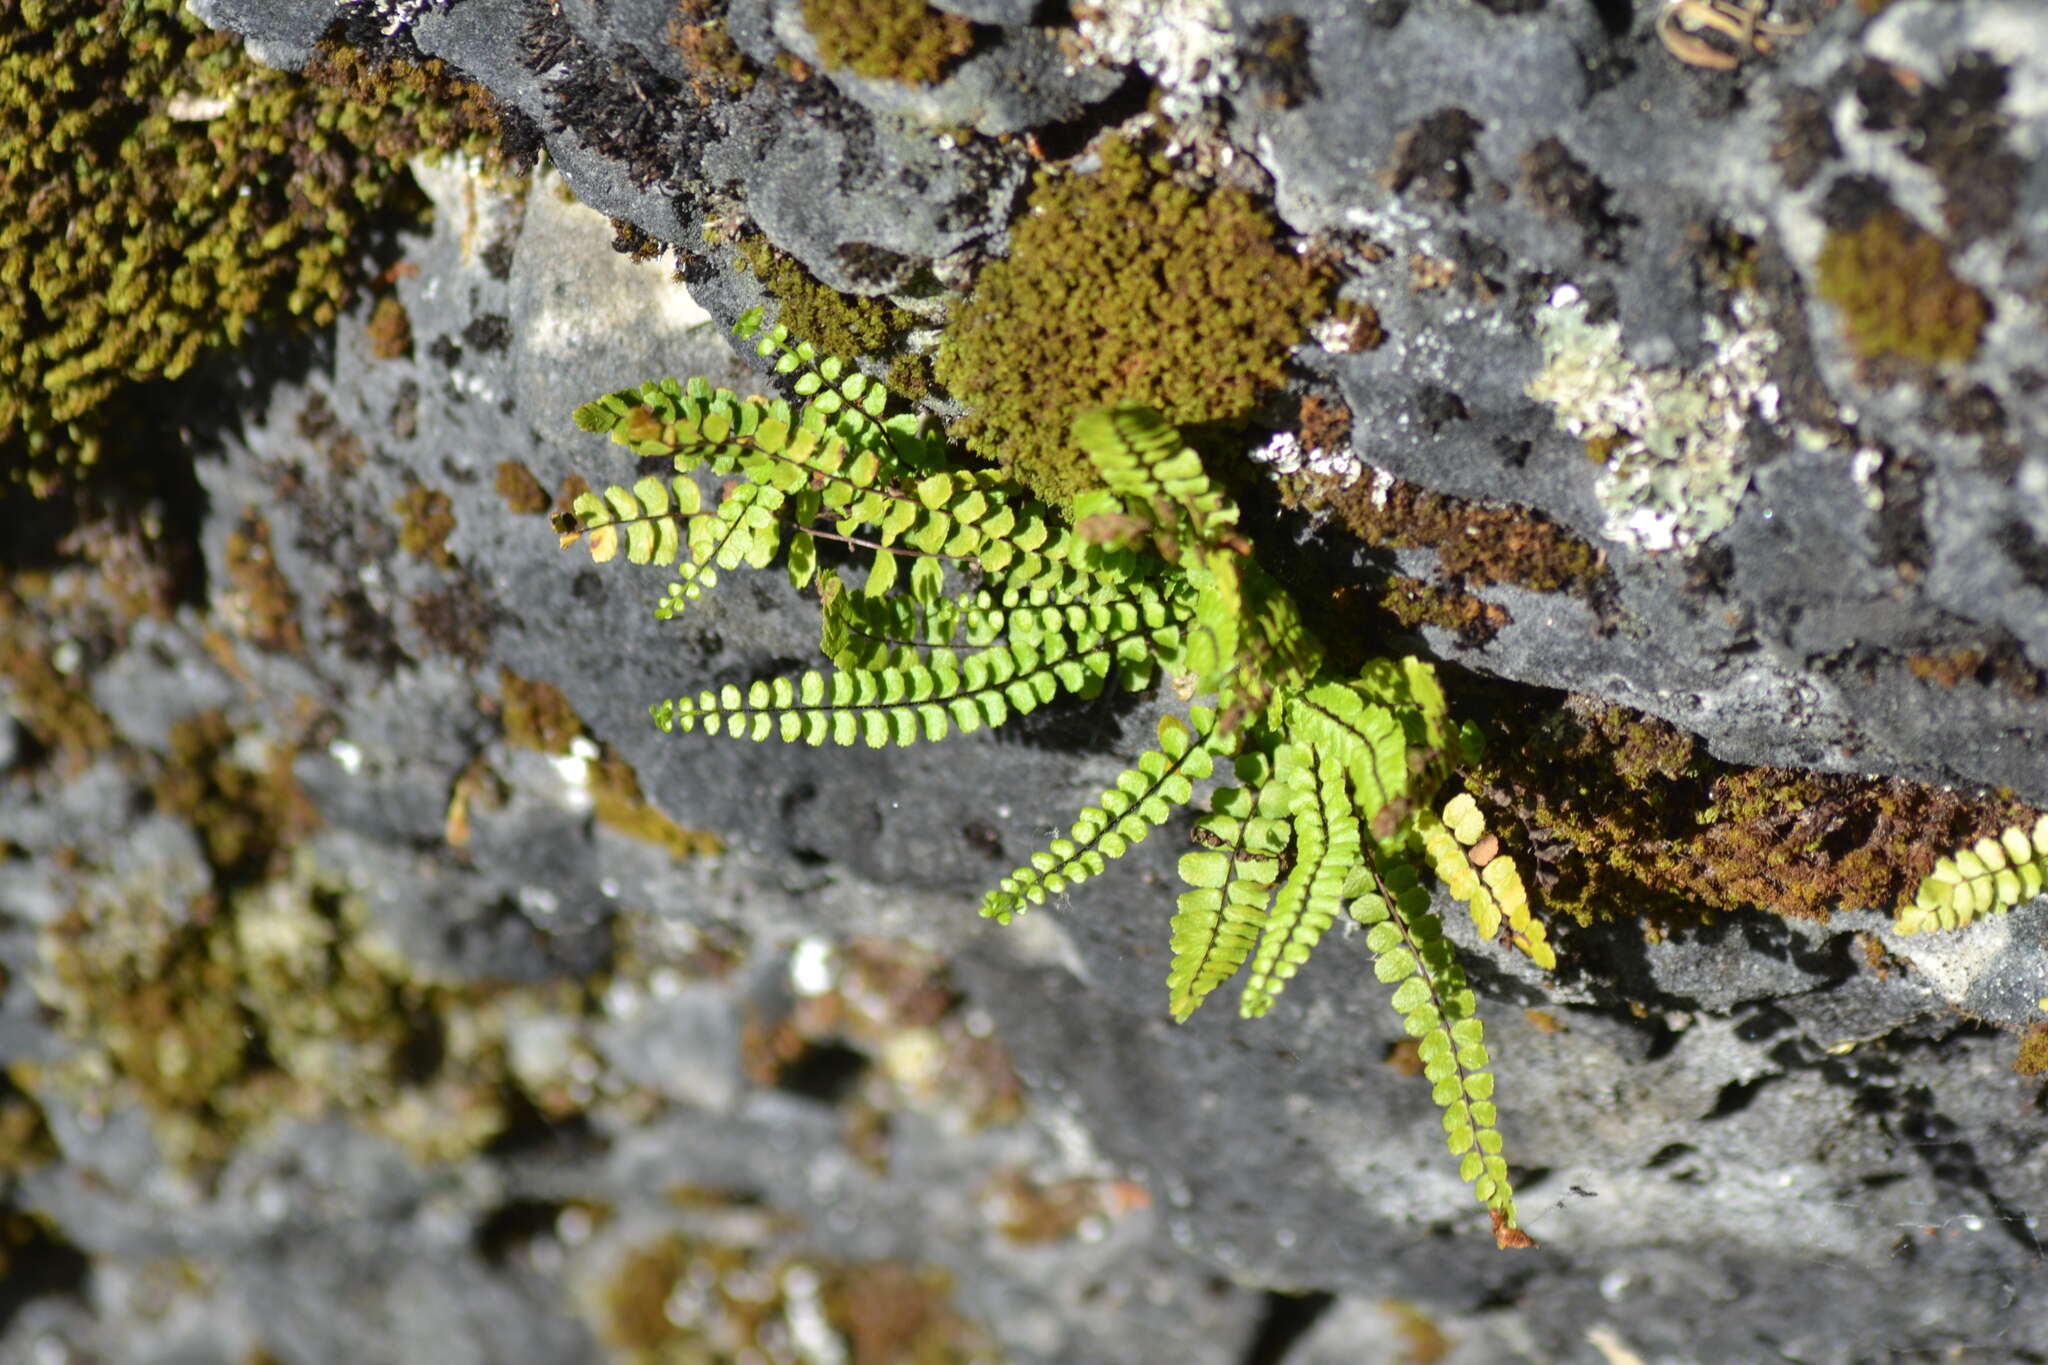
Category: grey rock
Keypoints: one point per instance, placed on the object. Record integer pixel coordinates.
(1740, 1142)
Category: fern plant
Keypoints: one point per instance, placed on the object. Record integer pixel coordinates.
(978, 604)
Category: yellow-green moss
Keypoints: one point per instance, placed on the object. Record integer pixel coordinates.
(2032, 1059)
(849, 326)
(277, 999)
(1897, 298)
(1124, 285)
(888, 40)
(426, 520)
(167, 194)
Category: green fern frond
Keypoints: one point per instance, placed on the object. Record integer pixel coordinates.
(1143, 797)
(1989, 877)
(1142, 461)
(1468, 861)
(1326, 850)
(644, 519)
(886, 706)
(1437, 1009)
(1217, 923)
(1367, 739)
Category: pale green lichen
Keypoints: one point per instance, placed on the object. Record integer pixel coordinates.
(1671, 440)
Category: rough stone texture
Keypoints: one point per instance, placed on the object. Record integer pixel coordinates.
(1756, 1139)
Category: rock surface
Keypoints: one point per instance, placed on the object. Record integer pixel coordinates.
(1756, 1139)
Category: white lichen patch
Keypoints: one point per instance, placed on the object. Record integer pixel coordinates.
(1185, 46)
(1285, 454)
(1674, 438)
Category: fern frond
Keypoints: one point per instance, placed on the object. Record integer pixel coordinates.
(1144, 795)
(644, 519)
(1438, 1010)
(878, 707)
(1989, 877)
(1370, 742)
(1218, 921)
(1468, 861)
(1142, 460)
(1326, 850)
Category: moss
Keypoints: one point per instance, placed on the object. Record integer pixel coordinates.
(1478, 545)
(536, 715)
(51, 704)
(1124, 285)
(25, 1141)
(846, 325)
(718, 69)
(426, 519)
(276, 998)
(2032, 1059)
(248, 818)
(1897, 298)
(522, 492)
(389, 329)
(262, 606)
(687, 1299)
(1617, 813)
(888, 40)
(174, 195)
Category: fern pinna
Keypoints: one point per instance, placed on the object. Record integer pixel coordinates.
(979, 603)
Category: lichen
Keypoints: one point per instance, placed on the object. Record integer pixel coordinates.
(888, 40)
(1671, 441)
(1897, 298)
(173, 195)
(1124, 285)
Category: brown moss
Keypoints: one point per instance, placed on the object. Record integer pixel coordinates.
(1477, 544)
(426, 519)
(1415, 604)
(25, 1141)
(1611, 812)
(535, 715)
(1325, 423)
(888, 40)
(457, 619)
(1124, 285)
(1896, 295)
(1946, 669)
(262, 606)
(522, 492)
(389, 329)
